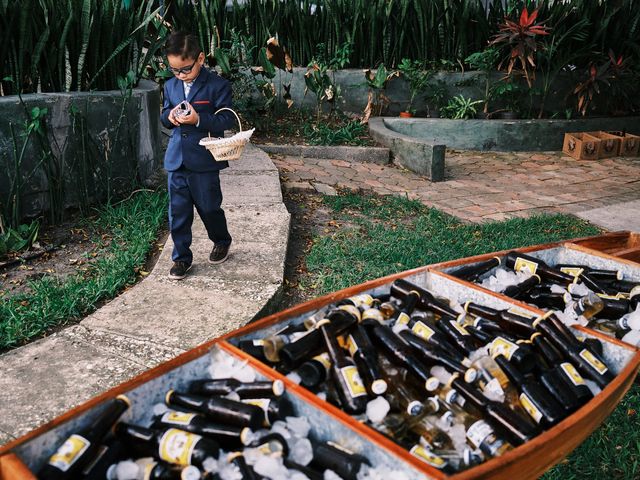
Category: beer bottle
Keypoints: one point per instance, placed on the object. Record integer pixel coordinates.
(534, 399)
(509, 321)
(457, 334)
(82, 446)
(331, 456)
(314, 371)
(219, 409)
(613, 307)
(172, 445)
(295, 353)
(274, 408)
(346, 378)
(109, 453)
(424, 326)
(634, 298)
(408, 305)
(622, 286)
(272, 445)
(431, 458)
(311, 473)
(398, 350)
(520, 289)
(588, 306)
(597, 274)
(403, 399)
(474, 271)
(517, 351)
(545, 299)
(553, 382)
(614, 326)
(201, 425)
(479, 433)
(273, 344)
(581, 355)
(366, 359)
(254, 347)
(237, 458)
(517, 428)
(430, 434)
(401, 288)
(362, 301)
(434, 355)
(225, 386)
(150, 469)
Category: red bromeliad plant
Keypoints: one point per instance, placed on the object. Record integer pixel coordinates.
(521, 37)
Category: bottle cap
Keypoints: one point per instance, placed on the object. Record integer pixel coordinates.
(435, 403)
(125, 399)
(245, 435)
(451, 396)
(432, 384)
(379, 386)
(355, 311)
(470, 375)
(167, 397)
(278, 388)
(415, 408)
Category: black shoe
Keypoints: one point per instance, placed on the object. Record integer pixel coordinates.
(219, 254)
(179, 270)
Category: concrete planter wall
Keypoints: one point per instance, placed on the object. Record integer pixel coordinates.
(76, 123)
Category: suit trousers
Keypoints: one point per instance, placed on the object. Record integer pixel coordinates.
(202, 190)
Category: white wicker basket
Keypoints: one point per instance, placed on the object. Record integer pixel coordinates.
(230, 148)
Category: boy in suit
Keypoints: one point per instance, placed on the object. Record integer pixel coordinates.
(193, 175)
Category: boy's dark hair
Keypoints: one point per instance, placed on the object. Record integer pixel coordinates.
(184, 44)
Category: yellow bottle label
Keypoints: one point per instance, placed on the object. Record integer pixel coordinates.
(258, 343)
(427, 456)
(352, 310)
(523, 265)
(324, 359)
(531, 409)
(423, 330)
(353, 381)
(502, 346)
(364, 299)
(373, 313)
(458, 327)
(351, 345)
(573, 271)
(177, 418)
(403, 319)
(600, 367)
(69, 452)
(572, 373)
(176, 446)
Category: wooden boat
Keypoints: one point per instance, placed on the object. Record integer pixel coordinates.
(28, 453)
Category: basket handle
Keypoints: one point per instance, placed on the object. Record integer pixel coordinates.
(236, 115)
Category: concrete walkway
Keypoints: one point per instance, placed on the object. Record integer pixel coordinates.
(158, 318)
(485, 186)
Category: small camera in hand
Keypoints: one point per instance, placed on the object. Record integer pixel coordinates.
(183, 109)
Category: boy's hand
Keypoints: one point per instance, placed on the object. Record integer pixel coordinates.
(191, 119)
(172, 117)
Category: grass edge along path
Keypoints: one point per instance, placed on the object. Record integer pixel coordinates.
(131, 227)
(376, 236)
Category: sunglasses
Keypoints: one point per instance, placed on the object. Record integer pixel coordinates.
(184, 70)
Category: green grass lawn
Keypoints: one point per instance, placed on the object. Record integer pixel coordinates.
(131, 227)
(378, 236)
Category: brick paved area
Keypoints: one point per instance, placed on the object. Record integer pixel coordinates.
(482, 186)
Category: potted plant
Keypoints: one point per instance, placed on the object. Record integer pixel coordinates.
(437, 97)
(417, 77)
(508, 95)
(460, 107)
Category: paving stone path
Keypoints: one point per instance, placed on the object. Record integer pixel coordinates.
(482, 186)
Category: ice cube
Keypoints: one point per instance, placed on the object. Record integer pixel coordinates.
(281, 427)
(270, 467)
(331, 475)
(127, 470)
(322, 395)
(377, 409)
(595, 389)
(233, 396)
(493, 390)
(294, 377)
(633, 337)
(634, 319)
(441, 374)
(298, 426)
(245, 374)
(159, 409)
(229, 471)
(579, 289)
(555, 288)
(301, 451)
(458, 436)
(210, 465)
(398, 327)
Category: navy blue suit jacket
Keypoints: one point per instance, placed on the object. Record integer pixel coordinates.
(208, 93)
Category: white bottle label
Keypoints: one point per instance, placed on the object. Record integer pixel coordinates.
(177, 418)
(69, 452)
(427, 456)
(478, 432)
(600, 367)
(353, 381)
(502, 346)
(523, 265)
(572, 374)
(530, 408)
(176, 446)
(422, 330)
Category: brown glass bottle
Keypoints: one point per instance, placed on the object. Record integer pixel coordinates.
(219, 409)
(520, 289)
(547, 299)
(314, 371)
(331, 456)
(237, 458)
(509, 321)
(225, 386)
(596, 274)
(172, 445)
(201, 425)
(344, 374)
(613, 307)
(274, 408)
(366, 359)
(472, 272)
(535, 400)
(424, 326)
(401, 288)
(81, 447)
(154, 470)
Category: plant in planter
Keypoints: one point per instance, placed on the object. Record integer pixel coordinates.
(417, 77)
(508, 94)
(377, 83)
(485, 61)
(437, 96)
(460, 107)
